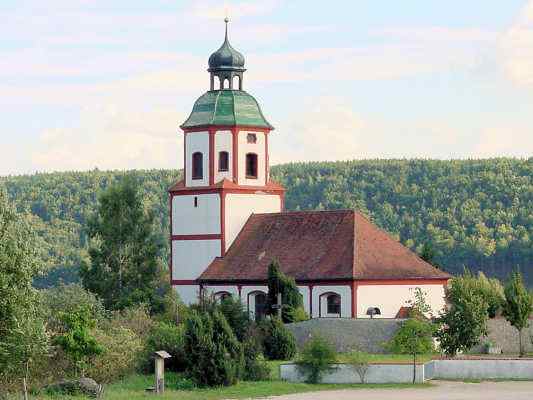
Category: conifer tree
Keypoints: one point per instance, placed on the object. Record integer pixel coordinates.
(124, 255)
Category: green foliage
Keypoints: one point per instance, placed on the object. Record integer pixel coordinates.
(518, 304)
(465, 319)
(214, 355)
(168, 337)
(291, 298)
(472, 212)
(255, 366)
(415, 336)
(125, 253)
(77, 341)
(122, 349)
(491, 290)
(237, 317)
(428, 254)
(317, 357)
(279, 343)
(22, 335)
(64, 299)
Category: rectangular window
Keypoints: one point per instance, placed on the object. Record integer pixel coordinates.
(197, 166)
(195, 201)
(251, 166)
(223, 161)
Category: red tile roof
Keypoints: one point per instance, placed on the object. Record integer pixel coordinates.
(317, 245)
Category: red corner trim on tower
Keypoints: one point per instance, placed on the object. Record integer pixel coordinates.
(235, 155)
(211, 157)
(222, 223)
(170, 236)
(185, 157)
(266, 158)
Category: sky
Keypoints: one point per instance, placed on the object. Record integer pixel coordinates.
(106, 84)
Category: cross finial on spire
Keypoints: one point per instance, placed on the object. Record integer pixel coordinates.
(226, 20)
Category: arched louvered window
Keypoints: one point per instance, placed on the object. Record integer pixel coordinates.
(197, 165)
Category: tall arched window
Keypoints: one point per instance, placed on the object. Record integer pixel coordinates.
(197, 166)
(223, 161)
(334, 304)
(251, 166)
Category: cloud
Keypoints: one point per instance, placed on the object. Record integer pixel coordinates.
(517, 48)
(329, 129)
(110, 137)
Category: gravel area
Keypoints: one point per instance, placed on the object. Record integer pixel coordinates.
(442, 390)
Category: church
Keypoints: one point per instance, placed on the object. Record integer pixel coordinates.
(228, 221)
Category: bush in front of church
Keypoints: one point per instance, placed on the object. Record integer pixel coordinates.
(279, 343)
(214, 356)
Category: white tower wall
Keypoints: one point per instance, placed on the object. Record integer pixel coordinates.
(239, 207)
(197, 214)
(223, 142)
(258, 148)
(197, 142)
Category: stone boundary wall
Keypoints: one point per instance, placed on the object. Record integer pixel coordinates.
(344, 373)
(504, 335)
(480, 369)
(435, 369)
(347, 334)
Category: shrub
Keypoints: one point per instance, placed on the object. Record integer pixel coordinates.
(65, 299)
(297, 314)
(121, 356)
(360, 363)
(279, 342)
(136, 319)
(316, 358)
(255, 367)
(214, 356)
(77, 340)
(167, 337)
(237, 317)
(291, 297)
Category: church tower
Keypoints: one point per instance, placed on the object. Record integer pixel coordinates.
(226, 172)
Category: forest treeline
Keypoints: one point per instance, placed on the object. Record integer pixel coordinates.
(473, 213)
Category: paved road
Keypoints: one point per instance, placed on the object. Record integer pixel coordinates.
(441, 391)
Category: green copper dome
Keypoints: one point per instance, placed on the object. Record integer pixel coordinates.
(226, 107)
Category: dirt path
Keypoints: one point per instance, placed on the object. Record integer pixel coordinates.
(442, 390)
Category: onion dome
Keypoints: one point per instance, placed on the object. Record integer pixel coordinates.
(226, 58)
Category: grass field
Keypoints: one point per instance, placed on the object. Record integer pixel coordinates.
(133, 388)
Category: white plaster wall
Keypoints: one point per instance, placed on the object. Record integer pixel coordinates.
(343, 373)
(239, 207)
(197, 141)
(191, 257)
(223, 142)
(201, 220)
(346, 300)
(188, 293)
(233, 290)
(257, 148)
(389, 298)
(304, 291)
(249, 301)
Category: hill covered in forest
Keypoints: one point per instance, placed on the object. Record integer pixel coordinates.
(474, 213)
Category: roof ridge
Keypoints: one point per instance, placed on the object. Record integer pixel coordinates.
(215, 108)
(339, 211)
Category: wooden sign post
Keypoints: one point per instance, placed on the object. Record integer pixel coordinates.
(160, 357)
